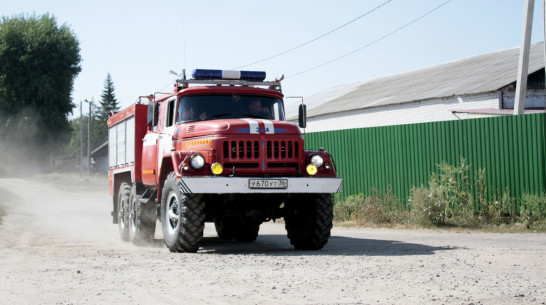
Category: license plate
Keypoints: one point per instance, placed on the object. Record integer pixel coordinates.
(268, 183)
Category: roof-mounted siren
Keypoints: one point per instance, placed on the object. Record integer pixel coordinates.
(209, 74)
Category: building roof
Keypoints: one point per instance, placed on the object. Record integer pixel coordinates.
(103, 145)
(497, 111)
(474, 75)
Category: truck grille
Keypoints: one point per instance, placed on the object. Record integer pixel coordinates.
(251, 154)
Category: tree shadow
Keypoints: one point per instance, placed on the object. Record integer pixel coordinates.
(336, 246)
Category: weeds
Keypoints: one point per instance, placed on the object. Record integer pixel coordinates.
(533, 211)
(375, 209)
(446, 201)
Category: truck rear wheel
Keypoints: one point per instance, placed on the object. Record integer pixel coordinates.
(142, 219)
(236, 228)
(182, 217)
(225, 227)
(247, 232)
(123, 210)
(308, 219)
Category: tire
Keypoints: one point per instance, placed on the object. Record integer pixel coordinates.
(247, 232)
(182, 217)
(142, 219)
(235, 228)
(225, 227)
(308, 219)
(123, 210)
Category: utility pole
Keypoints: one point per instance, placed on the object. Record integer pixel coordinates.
(89, 138)
(544, 28)
(523, 64)
(81, 138)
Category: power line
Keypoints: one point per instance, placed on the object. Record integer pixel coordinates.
(373, 42)
(315, 39)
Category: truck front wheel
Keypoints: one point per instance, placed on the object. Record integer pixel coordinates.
(182, 217)
(308, 219)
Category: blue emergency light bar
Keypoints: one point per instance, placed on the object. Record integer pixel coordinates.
(203, 74)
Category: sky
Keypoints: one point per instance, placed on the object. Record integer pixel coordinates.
(139, 42)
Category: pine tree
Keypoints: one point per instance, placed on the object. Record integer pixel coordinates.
(108, 103)
(108, 100)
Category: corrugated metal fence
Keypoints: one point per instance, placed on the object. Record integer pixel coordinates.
(511, 149)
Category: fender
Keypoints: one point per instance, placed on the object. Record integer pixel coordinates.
(177, 160)
(116, 176)
(170, 162)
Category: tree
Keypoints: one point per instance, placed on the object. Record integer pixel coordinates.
(38, 63)
(108, 99)
(108, 103)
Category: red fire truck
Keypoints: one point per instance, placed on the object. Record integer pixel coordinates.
(217, 149)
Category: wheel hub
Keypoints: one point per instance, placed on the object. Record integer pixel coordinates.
(173, 212)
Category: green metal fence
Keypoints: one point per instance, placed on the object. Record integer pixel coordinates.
(511, 149)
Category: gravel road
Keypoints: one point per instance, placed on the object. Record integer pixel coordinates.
(58, 246)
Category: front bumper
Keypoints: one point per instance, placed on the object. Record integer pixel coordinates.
(230, 185)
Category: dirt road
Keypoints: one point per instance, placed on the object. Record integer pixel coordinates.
(58, 246)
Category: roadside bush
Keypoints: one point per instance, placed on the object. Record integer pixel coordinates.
(501, 210)
(374, 209)
(446, 200)
(344, 210)
(533, 210)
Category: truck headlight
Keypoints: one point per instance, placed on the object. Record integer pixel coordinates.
(317, 161)
(197, 161)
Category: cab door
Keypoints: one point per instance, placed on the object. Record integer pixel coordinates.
(165, 138)
(149, 146)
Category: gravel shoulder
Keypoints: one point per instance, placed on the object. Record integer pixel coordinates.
(58, 246)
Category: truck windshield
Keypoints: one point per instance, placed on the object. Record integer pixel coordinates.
(228, 106)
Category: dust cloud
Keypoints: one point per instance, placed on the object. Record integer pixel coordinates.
(60, 209)
(25, 147)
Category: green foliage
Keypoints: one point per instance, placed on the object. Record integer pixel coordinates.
(73, 145)
(108, 104)
(345, 210)
(447, 196)
(446, 201)
(533, 211)
(375, 209)
(99, 118)
(108, 99)
(38, 63)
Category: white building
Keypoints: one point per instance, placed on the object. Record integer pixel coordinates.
(469, 88)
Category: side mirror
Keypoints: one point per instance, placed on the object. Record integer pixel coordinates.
(153, 114)
(302, 116)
